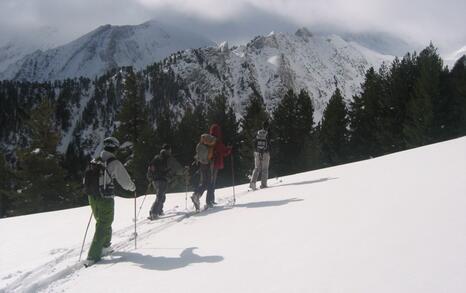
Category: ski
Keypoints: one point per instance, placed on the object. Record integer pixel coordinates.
(88, 264)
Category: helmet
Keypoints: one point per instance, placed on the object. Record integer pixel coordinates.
(165, 153)
(111, 142)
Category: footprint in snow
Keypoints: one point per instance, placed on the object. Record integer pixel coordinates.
(11, 275)
(57, 250)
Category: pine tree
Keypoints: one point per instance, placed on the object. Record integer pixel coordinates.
(41, 178)
(75, 161)
(443, 109)
(283, 128)
(365, 113)
(419, 124)
(305, 119)
(455, 123)
(188, 132)
(333, 132)
(6, 187)
(185, 138)
(133, 115)
(165, 125)
(143, 151)
(292, 127)
(134, 129)
(401, 81)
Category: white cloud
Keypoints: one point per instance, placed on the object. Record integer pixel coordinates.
(417, 20)
(440, 21)
(214, 10)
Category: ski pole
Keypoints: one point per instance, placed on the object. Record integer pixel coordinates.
(141, 205)
(135, 223)
(233, 178)
(186, 181)
(85, 234)
(144, 199)
(186, 197)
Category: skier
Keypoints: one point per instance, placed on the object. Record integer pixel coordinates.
(261, 156)
(220, 151)
(162, 167)
(102, 202)
(203, 158)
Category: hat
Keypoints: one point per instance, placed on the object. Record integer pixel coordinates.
(165, 153)
(111, 142)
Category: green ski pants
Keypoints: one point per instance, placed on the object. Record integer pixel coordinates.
(103, 210)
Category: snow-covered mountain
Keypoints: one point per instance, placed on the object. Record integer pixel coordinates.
(16, 47)
(451, 58)
(103, 49)
(349, 228)
(272, 64)
(267, 65)
(381, 42)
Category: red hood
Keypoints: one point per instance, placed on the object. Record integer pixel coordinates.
(216, 131)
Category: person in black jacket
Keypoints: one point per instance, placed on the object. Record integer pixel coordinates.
(157, 175)
(162, 167)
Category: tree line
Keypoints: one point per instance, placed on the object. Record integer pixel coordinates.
(414, 101)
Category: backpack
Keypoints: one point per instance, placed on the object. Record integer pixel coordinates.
(157, 169)
(205, 149)
(95, 170)
(261, 141)
(202, 153)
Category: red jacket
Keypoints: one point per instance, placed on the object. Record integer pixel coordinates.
(220, 150)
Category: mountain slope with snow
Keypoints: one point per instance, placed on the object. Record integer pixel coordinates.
(453, 57)
(16, 47)
(270, 65)
(103, 49)
(390, 224)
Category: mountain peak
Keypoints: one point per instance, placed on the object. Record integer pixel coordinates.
(105, 48)
(223, 47)
(304, 33)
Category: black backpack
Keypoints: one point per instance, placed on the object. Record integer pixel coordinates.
(261, 141)
(94, 171)
(158, 168)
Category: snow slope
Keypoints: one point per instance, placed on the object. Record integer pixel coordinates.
(390, 224)
(105, 48)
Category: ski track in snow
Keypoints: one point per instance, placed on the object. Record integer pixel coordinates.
(63, 268)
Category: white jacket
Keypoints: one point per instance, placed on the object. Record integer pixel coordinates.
(117, 171)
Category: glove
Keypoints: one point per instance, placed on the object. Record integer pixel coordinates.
(120, 192)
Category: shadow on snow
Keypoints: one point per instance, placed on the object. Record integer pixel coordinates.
(268, 203)
(306, 182)
(251, 205)
(162, 263)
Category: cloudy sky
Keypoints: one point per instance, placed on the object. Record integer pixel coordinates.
(416, 21)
